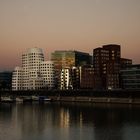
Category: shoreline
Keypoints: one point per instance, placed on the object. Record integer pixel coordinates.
(91, 96)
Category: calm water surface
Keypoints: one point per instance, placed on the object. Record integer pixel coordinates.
(69, 121)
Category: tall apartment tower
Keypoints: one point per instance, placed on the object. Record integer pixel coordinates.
(32, 75)
(106, 62)
(100, 58)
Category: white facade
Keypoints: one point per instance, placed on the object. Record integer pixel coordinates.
(36, 83)
(47, 73)
(17, 78)
(65, 79)
(33, 73)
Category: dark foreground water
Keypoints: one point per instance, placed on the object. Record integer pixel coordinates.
(69, 121)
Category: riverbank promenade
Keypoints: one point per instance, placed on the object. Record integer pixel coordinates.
(93, 96)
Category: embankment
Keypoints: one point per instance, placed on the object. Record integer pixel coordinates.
(93, 96)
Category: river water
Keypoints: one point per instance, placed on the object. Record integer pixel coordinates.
(69, 121)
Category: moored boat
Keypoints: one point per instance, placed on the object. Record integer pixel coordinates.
(7, 99)
(44, 99)
(35, 98)
(23, 99)
(19, 99)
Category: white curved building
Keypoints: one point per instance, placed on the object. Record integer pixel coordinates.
(35, 71)
(17, 78)
(47, 73)
(66, 79)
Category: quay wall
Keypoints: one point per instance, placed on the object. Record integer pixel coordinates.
(93, 96)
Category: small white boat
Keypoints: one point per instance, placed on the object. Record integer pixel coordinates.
(19, 99)
(44, 99)
(47, 99)
(35, 98)
(7, 99)
(23, 99)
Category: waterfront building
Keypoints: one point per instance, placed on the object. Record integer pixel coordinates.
(77, 77)
(48, 74)
(114, 52)
(87, 77)
(5, 80)
(125, 62)
(68, 59)
(130, 77)
(76, 73)
(30, 64)
(100, 58)
(106, 62)
(113, 75)
(66, 80)
(64, 59)
(70, 78)
(34, 73)
(17, 79)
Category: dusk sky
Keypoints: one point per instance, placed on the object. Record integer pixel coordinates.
(67, 25)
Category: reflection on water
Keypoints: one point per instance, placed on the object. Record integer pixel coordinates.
(69, 121)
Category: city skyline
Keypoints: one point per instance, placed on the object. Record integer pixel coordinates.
(67, 25)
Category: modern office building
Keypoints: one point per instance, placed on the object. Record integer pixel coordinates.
(112, 75)
(77, 77)
(114, 52)
(100, 58)
(66, 79)
(68, 59)
(125, 62)
(130, 77)
(34, 73)
(5, 80)
(87, 77)
(106, 62)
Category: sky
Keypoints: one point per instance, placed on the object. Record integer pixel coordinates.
(67, 25)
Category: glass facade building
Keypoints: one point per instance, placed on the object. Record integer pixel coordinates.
(5, 80)
(64, 59)
(130, 77)
(68, 59)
